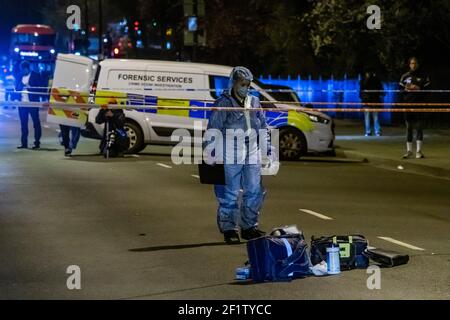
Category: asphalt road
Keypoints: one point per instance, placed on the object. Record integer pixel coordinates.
(142, 228)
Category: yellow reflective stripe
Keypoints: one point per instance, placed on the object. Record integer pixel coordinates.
(174, 103)
(300, 121)
(59, 112)
(68, 96)
(110, 97)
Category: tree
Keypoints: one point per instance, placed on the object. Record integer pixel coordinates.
(341, 40)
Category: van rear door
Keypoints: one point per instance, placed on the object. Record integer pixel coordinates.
(72, 82)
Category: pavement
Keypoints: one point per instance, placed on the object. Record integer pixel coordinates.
(143, 228)
(387, 151)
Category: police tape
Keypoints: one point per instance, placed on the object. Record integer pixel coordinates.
(251, 90)
(65, 96)
(87, 106)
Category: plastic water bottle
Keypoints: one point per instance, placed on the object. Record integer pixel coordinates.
(243, 273)
(333, 262)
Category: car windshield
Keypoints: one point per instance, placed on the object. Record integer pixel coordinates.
(284, 95)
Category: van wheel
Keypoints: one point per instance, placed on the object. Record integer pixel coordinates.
(136, 137)
(292, 144)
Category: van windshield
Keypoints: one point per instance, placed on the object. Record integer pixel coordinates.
(220, 83)
(286, 94)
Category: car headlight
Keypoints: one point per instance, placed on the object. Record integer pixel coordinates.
(318, 119)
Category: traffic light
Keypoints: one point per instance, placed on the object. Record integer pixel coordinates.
(169, 32)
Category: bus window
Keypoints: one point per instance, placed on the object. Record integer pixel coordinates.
(19, 39)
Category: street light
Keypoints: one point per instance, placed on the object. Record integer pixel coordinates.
(100, 29)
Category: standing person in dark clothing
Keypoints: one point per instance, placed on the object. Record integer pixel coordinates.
(115, 141)
(70, 137)
(31, 84)
(371, 82)
(413, 82)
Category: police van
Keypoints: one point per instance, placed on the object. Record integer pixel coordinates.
(189, 85)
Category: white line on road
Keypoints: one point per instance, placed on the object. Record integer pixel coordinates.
(400, 243)
(316, 214)
(46, 126)
(164, 165)
(7, 115)
(195, 176)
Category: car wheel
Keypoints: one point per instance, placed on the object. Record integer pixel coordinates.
(134, 133)
(292, 144)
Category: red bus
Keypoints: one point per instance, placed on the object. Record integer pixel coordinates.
(34, 43)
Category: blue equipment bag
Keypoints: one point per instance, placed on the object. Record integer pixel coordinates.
(278, 258)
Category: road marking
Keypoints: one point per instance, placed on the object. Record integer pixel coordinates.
(57, 130)
(46, 126)
(316, 214)
(400, 243)
(195, 176)
(164, 165)
(7, 115)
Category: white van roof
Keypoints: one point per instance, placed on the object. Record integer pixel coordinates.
(179, 66)
(74, 58)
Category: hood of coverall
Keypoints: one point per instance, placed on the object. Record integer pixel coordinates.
(236, 74)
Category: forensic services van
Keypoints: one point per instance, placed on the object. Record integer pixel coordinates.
(166, 83)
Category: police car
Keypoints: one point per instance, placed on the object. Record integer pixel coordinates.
(167, 83)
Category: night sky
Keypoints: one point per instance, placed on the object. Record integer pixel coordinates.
(14, 12)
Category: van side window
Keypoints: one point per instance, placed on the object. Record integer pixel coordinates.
(218, 84)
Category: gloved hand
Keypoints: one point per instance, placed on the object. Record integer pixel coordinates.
(270, 165)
